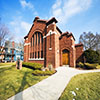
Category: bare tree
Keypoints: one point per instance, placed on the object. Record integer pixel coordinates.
(97, 47)
(4, 34)
(22, 41)
(89, 40)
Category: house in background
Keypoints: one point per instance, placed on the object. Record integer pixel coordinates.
(9, 51)
(13, 51)
(19, 51)
(47, 44)
(1, 53)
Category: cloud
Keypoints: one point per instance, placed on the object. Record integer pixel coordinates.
(63, 10)
(29, 5)
(35, 13)
(25, 26)
(25, 4)
(19, 28)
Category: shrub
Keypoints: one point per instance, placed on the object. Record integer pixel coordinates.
(90, 66)
(98, 66)
(35, 66)
(92, 56)
(80, 64)
(42, 73)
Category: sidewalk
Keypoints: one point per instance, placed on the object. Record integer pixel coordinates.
(52, 87)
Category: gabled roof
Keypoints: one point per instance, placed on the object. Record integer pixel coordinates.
(66, 34)
(77, 45)
(53, 19)
(28, 32)
(26, 37)
(47, 22)
(36, 18)
(41, 20)
(58, 29)
(71, 35)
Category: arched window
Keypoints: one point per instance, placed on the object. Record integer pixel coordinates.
(38, 35)
(65, 51)
(38, 38)
(41, 38)
(33, 40)
(37, 45)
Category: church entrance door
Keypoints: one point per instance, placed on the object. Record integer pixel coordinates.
(65, 57)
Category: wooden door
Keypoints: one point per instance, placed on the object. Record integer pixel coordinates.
(65, 59)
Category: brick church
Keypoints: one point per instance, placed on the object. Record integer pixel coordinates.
(47, 44)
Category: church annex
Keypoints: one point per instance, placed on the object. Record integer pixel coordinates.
(47, 44)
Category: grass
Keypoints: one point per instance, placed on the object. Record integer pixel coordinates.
(88, 85)
(7, 64)
(13, 81)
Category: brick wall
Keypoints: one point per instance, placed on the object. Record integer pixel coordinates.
(68, 43)
(52, 52)
(26, 50)
(79, 52)
(53, 45)
(37, 61)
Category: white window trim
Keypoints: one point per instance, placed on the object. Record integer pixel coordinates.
(52, 32)
(50, 48)
(26, 44)
(36, 58)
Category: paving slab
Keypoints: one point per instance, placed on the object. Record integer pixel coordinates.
(52, 87)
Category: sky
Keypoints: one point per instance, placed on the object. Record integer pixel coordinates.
(76, 16)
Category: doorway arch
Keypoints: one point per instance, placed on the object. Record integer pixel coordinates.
(65, 57)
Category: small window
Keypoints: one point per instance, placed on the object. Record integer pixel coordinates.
(38, 38)
(50, 39)
(35, 54)
(41, 54)
(41, 38)
(33, 40)
(30, 55)
(38, 54)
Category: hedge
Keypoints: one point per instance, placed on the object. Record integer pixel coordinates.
(88, 65)
(98, 66)
(91, 56)
(35, 66)
(43, 73)
(80, 64)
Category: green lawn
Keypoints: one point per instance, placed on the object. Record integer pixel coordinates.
(13, 81)
(88, 85)
(7, 64)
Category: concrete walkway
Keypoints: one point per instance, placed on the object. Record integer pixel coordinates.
(52, 87)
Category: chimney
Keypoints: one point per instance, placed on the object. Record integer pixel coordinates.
(13, 44)
(36, 18)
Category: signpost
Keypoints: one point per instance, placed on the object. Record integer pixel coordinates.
(18, 64)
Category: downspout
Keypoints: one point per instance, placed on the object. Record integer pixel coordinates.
(45, 47)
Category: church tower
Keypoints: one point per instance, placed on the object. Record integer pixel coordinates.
(52, 44)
